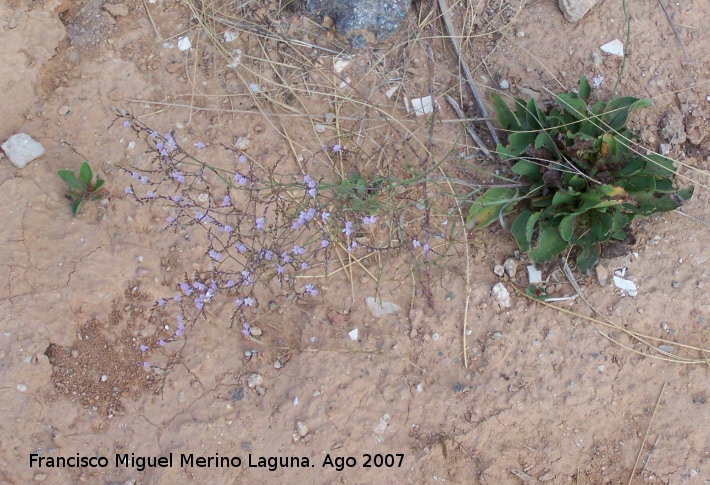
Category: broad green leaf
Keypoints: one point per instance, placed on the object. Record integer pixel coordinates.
(99, 183)
(619, 222)
(527, 169)
(486, 209)
(76, 206)
(643, 182)
(578, 182)
(588, 257)
(617, 111)
(631, 167)
(85, 174)
(609, 148)
(544, 140)
(574, 106)
(600, 224)
(506, 118)
(532, 115)
(564, 198)
(518, 142)
(567, 225)
(530, 225)
(536, 293)
(549, 243)
(519, 230)
(585, 90)
(660, 166)
(69, 177)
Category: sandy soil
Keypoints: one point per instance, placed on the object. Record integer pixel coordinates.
(543, 397)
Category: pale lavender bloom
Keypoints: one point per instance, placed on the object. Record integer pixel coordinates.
(177, 298)
(416, 243)
(230, 283)
(312, 192)
(144, 179)
(240, 179)
(179, 318)
(199, 145)
(242, 158)
(181, 326)
(154, 134)
(245, 274)
(163, 152)
(348, 228)
(170, 219)
(176, 199)
(126, 124)
(143, 348)
(248, 301)
(128, 190)
(198, 304)
(310, 214)
(199, 215)
(177, 176)
(161, 302)
(367, 220)
(135, 175)
(161, 342)
(426, 248)
(178, 332)
(240, 247)
(226, 201)
(296, 225)
(227, 229)
(336, 148)
(185, 288)
(304, 265)
(324, 243)
(286, 258)
(198, 286)
(311, 289)
(354, 244)
(297, 250)
(160, 145)
(146, 365)
(324, 216)
(151, 194)
(259, 223)
(268, 255)
(308, 180)
(280, 269)
(171, 144)
(239, 302)
(246, 330)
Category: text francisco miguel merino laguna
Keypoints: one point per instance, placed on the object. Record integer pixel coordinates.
(140, 463)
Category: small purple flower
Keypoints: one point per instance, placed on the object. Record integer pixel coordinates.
(239, 302)
(160, 145)
(240, 247)
(242, 158)
(245, 274)
(310, 214)
(230, 283)
(126, 124)
(426, 248)
(367, 220)
(304, 265)
(199, 145)
(246, 330)
(143, 348)
(161, 302)
(179, 318)
(154, 134)
(259, 224)
(336, 148)
(324, 243)
(312, 192)
(240, 179)
(181, 326)
(151, 194)
(354, 244)
(286, 257)
(268, 255)
(226, 201)
(178, 332)
(128, 190)
(199, 215)
(163, 153)
(170, 219)
(187, 291)
(161, 342)
(309, 288)
(135, 175)
(198, 304)
(177, 176)
(348, 228)
(146, 365)
(296, 225)
(297, 250)
(280, 269)
(199, 286)
(324, 216)
(308, 180)
(416, 243)
(144, 179)
(176, 199)
(227, 229)
(248, 301)
(177, 298)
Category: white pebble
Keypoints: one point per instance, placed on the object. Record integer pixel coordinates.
(504, 84)
(21, 387)
(184, 43)
(104, 378)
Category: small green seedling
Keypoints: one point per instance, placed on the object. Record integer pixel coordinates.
(582, 179)
(81, 188)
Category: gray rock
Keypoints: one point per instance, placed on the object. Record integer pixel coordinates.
(254, 380)
(363, 22)
(21, 149)
(238, 394)
(380, 308)
(574, 10)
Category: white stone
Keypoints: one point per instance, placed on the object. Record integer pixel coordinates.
(534, 275)
(353, 334)
(500, 292)
(340, 64)
(390, 92)
(614, 48)
(21, 149)
(504, 84)
(422, 106)
(626, 285)
(302, 429)
(511, 267)
(254, 380)
(573, 10)
(184, 44)
(230, 36)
